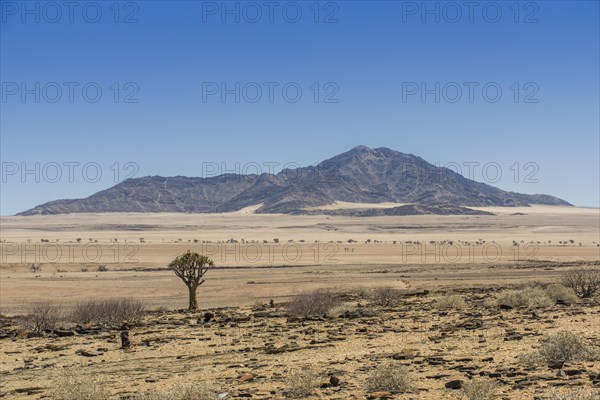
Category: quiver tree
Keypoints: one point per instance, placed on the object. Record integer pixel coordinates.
(190, 268)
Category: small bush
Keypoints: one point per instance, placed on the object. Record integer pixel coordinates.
(341, 310)
(574, 394)
(184, 392)
(479, 389)
(102, 268)
(110, 311)
(584, 282)
(390, 377)
(386, 296)
(43, 316)
(302, 383)
(75, 387)
(528, 298)
(452, 302)
(317, 302)
(563, 346)
(557, 292)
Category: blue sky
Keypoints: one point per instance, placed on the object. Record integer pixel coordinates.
(376, 73)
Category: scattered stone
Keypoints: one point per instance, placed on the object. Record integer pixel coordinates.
(455, 384)
(247, 377)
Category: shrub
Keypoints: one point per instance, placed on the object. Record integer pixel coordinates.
(184, 392)
(43, 316)
(585, 282)
(302, 383)
(386, 296)
(317, 302)
(389, 377)
(452, 302)
(340, 310)
(563, 346)
(102, 268)
(574, 394)
(110, 311)
(75, 387)
(529, 298)
(557, 292)
(479, 389)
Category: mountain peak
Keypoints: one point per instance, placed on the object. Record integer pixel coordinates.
(360, 175)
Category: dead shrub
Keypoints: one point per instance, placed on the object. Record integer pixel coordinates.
(480, 389)
(109, 311)
(386, 296)
(584, 282)
(43, 316)
(302, 383)
(76, 387)
(317, 302)
(390, 378)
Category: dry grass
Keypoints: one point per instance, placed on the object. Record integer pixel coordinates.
(575, 394)
(480, 389)
(76, 387)
(110, 311)
(532, 297)
(389, 377)
(557, 291)
(302, 383)
(184, 392)
(317, 302)
(450, 302)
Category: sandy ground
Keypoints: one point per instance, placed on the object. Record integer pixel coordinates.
(311, 251)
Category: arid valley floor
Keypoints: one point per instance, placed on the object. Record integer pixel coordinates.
(252, 348)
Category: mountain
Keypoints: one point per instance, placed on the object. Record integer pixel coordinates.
(361, 175)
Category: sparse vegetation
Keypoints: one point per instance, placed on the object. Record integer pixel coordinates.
(302, 383)
(386, 296)
(43, 316)
(480, 389)
(562, 346)
(109, 311)
(532, 297)
(584, 282)
(184, 392)
(190, 268)
(317, 302)
(450, 302)
(389, 377)
(558, 292)
(76, 387)
(574, 394)
(102, 268)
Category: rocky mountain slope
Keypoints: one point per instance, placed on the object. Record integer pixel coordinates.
(361, 175)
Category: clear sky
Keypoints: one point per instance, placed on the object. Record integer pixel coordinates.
(190, 87)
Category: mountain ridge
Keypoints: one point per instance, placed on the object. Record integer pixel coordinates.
(360, 175)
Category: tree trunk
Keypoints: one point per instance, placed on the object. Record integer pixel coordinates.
(193, 302)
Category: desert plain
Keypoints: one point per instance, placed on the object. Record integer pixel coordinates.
(251, 347)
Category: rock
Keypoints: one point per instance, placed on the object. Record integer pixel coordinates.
(223, 395)
(505, 307)
(63, 333)
(556, 364)
(455, 384)
(247, 377)
(31, 335)
(334, 380)
(125, 343)
(207, 317)
(87, 353)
